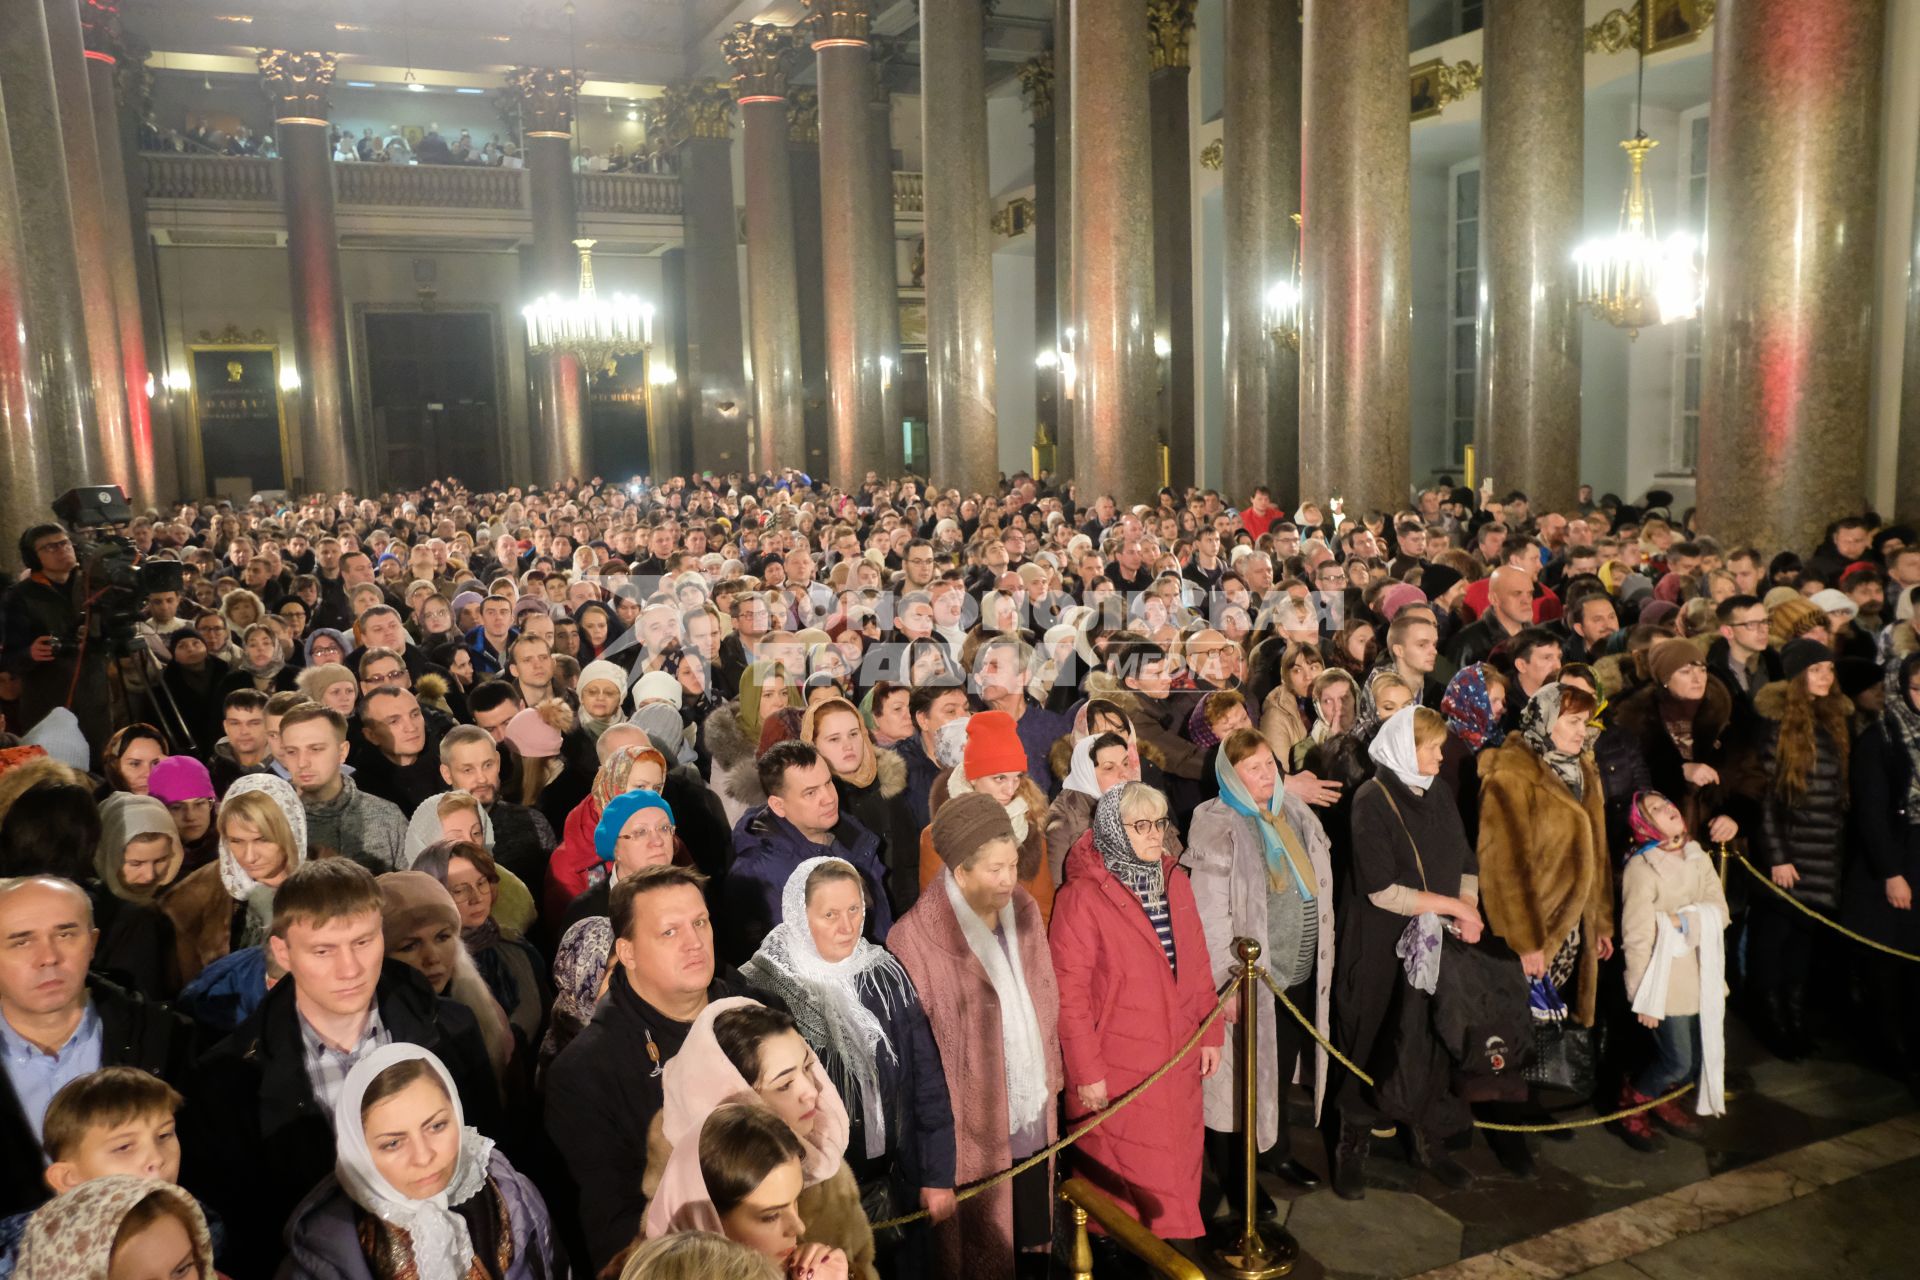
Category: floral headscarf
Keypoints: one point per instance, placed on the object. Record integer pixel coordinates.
(585, 954)
(1645, 834)
(1469, 709)
(1536, 727)
(1147, 880)
(72, 1237)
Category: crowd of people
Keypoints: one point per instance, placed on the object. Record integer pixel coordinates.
(677, 879)
(396, 145)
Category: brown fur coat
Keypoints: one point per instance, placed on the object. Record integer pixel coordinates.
(1543, 861)
(202, 915)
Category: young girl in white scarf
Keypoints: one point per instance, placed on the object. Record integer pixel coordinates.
(1673, 918)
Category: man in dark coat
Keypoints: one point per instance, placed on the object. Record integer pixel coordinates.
(97, 1024)
(258, 1127)
(605, 1088)
(801, 819)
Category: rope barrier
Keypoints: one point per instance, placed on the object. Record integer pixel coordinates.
(1348, 1063)
(1092, 1122)
(1804, 909)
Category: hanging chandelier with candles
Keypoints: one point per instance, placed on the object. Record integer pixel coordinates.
(1634, 279)
(595, 330)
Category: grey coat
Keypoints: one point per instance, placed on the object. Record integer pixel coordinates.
(1229, 872)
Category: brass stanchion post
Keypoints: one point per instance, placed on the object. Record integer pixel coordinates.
(1249, 1256)
(1082, 1260)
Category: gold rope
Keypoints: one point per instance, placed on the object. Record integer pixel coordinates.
(1092, 1122)
(1803, 908)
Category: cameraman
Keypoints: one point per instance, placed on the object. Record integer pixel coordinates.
(45, 618)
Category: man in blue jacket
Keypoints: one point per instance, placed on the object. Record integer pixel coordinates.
(801, 819)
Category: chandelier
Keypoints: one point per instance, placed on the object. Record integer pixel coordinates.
(596, 331)
(1633, 279)
(1283, 301)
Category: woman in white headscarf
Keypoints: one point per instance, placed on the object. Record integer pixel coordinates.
(415, 1192)
(227, 905)
(1413, 871)
(859, 1011)
(1101, 762)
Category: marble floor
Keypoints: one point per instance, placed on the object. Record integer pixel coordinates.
(1812, 1166)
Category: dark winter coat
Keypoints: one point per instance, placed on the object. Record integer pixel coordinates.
(1885, 839)
(1636, 753)
(1720, 667)
(255, 1141)
(883, 808)
(134, 1032)
(522, 840)
(323, 1237)
(766, 851)
(1124, 1012)
(602, 1093)
(1808, 831)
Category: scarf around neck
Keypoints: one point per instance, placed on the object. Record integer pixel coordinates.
(1286, 855)
(1025, 1058)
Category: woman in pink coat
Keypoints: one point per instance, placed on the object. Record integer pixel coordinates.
(1135, 980)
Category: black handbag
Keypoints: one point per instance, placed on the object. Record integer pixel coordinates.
(1563, 1054)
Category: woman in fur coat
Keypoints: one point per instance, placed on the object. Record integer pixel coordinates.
(1801, 787)
(1546, 882)
(733, 736)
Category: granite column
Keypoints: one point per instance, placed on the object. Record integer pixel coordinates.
(803, 157)
(669, 424)
(962, 420)
(700, 121)
(547, 100)
(858, 294)
(1528, 410)
(760, 55)
(1260, 188)
(1036, 85)
(884, 248)
(1170, 27)
(154, 477)
(296, 84)
(1355, 156)
(1794, 154)
(1113, 252)
(1066, 316)
(111, 443)
(26, 463)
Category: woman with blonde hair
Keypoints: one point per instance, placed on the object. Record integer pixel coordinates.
(227, 905)
(697, 1255)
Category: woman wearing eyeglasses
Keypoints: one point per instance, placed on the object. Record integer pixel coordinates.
(1135, 981)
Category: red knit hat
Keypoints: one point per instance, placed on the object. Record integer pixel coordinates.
(993, 746)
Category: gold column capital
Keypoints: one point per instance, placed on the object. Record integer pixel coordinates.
(761, 55)
(1036, 84)
(547, 99)
(296, 82)
(839, 22)
(803, 115)
(1170, 27)
(697, 109)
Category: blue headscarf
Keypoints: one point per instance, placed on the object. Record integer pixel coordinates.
(1269, 822)
(613, 818)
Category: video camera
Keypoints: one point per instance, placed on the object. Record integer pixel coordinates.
(118, 584)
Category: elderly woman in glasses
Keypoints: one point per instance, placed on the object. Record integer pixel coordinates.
(1135, 978)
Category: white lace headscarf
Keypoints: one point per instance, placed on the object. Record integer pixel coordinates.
(832, 1009)
(442, 1247)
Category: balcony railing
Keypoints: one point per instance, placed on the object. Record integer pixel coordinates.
(245, 179)
(909, 192)
(435, 186)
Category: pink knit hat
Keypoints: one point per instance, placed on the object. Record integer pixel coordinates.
(530, 734)
(179, 778)
(1398, 597)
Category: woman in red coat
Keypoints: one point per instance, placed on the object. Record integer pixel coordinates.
(1135, 980)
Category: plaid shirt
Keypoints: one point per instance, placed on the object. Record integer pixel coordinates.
(327, 1067)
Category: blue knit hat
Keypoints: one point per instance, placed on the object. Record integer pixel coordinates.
(613, 819)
